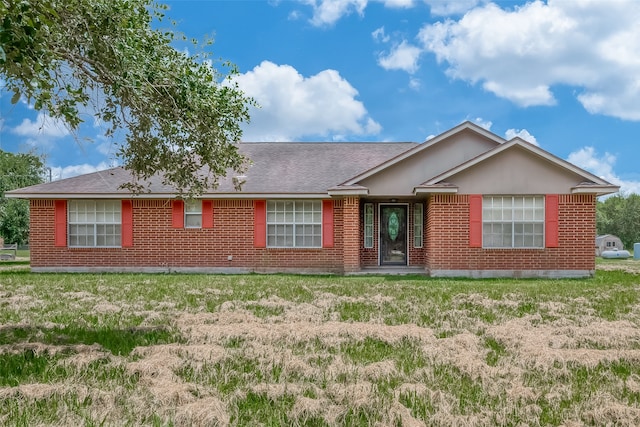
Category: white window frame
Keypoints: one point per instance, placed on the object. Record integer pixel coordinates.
(418, 225)
(523, 217)
(294, 224)
(96, 217)
(368, 225)
(193, 213)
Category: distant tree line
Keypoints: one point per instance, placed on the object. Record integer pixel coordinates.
(620, 215)
(16, 171)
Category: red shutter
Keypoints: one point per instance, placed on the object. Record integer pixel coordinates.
(60, 221)
(327, 223)
(207, 214)
(551, 221)
(127, 224)
(178, 214)
(475, 221)
(260, 223)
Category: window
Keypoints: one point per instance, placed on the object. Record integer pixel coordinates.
(368, 225)
(294, 224)
(417, 225)
(95, 223)
(513, 221)
(193, 213)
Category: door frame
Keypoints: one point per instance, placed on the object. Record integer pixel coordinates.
(406, 232)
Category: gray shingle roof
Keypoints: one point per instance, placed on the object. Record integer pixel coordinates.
(277, 168)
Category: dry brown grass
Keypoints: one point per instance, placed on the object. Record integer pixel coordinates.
(312, 368)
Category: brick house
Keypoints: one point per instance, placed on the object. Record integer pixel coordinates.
(465, 203)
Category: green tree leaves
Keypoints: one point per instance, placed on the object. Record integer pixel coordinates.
(620, 215)
(16, 171)
(180, 116)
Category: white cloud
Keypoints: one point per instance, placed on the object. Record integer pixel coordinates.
(415, 84)
(58, 172)
(328, 12)
(522, 134)
(521, 53)
(451, 7)
(404, 57)
(380, 36)
(44, 126)
(399, 4)
(293, 106)
(602, 166)
(486, 124)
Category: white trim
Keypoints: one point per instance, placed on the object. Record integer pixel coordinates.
(406, 233)
(188, 214)
(294, 223)
(94, 225)
(434, 190)
(599, 190)
(349, 192)
(421, 225)
(513, 221)
(364, 224)
(163, 196)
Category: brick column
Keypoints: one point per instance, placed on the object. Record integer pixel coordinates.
(351, 230)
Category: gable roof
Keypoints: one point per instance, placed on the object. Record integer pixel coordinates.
(286, 169)
(592, 183)
(280, 168)
(464, 126)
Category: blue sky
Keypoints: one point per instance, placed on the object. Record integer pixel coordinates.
(563, 74)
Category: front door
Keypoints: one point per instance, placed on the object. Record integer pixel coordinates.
(393, 235)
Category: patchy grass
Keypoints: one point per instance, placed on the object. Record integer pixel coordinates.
(319, 351)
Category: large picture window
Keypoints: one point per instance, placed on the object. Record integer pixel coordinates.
(513, 222)
(95, 223)
(294, 223)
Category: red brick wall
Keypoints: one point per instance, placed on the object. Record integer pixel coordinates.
(351, 234)
(157, 245)
(448, 239)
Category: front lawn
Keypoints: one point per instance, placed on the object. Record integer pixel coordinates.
(80, 349)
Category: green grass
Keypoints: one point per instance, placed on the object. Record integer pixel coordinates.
(117, 341)
(29, 367)
(135, 349)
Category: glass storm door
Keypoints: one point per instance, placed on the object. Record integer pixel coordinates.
(393, 235)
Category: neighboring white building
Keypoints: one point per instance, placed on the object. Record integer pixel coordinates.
(608, 242)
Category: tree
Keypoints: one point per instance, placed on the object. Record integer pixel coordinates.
(620, 215)
(181, 117)
(17, 170)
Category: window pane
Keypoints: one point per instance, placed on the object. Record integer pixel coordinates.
(513, 221)
(368, 225)
(81, 235)
(193, 206)
(417, 225)
(294, 223)
(193, 220)
(94, 223)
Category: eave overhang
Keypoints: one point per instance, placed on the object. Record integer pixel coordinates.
(348, 190)
(155, 196)
(597, 189)
(440, 188)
